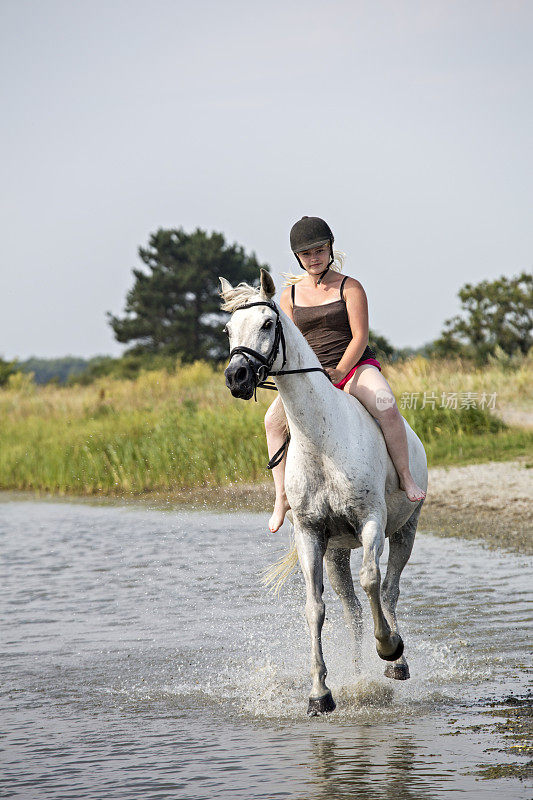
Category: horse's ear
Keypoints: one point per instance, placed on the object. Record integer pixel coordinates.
(225, 286)
(268, 288)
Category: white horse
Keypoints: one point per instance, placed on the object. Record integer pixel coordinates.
(340, 481)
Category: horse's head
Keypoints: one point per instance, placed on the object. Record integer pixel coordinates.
(254, 334)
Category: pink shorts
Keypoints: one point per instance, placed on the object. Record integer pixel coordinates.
(349, 376)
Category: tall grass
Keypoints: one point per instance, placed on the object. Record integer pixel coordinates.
(166, 431)
(510, 379)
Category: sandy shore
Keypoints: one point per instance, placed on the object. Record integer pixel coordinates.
(493, 502)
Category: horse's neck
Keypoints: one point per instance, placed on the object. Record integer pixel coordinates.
(309, 396)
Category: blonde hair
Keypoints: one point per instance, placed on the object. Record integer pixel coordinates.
(338, 263)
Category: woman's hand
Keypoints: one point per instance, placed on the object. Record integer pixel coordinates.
(336, 375)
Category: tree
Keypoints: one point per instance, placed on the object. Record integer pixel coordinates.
(384, 350)
(495, 313)
(175, 309)
(7, 368)
(58, 370)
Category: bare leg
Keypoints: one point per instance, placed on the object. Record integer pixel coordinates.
(276, 432)
(311, 549)
(371, 388)
(400, 546)
(393, 427)
(388, 644)
(340, 577)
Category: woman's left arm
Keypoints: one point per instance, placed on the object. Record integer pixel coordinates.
(357, 308)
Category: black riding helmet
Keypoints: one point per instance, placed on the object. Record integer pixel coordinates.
(311, 232)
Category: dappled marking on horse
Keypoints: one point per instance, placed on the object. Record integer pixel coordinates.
(341, 484)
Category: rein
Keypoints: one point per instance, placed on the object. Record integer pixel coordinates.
(263, 370)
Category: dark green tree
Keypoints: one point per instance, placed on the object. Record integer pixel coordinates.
(7, 368)
(174, 308)
(384, 350)
(494, 313)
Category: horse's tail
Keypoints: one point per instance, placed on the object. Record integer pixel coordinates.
(277, 573)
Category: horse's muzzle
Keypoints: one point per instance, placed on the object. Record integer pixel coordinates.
(240, 379)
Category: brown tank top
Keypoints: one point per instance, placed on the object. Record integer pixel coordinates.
(327, 329)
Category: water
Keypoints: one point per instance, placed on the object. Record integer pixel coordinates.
(142, 658)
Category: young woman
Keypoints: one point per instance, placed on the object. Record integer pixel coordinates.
(332, 313)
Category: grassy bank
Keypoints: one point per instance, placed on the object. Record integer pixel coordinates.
(166, 431)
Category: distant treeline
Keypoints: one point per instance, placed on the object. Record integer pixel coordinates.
(58, 370)
(72, 370)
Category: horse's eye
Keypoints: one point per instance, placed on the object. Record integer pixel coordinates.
(267, 324)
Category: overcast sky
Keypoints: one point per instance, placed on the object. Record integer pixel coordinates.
(407, 125)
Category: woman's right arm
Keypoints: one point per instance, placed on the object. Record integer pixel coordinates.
(286, 302)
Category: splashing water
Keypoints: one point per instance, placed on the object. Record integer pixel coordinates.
(143, 657)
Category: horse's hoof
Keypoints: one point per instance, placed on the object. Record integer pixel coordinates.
(320, 705)
(394, 656)
(399, 672)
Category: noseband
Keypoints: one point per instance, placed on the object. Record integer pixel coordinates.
(263, 370)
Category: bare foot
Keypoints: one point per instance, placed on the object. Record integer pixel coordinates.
(412, 489)
(281, 506)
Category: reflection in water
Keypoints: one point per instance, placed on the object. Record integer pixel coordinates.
(362, 768)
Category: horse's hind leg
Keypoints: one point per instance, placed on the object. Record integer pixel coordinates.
(311, 549)
(340, 577)
(388, 643)
(400, 547)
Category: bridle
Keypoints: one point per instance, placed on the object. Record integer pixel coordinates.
(262, 371)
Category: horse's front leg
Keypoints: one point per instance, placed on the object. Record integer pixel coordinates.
(311, 548)
(388, 643)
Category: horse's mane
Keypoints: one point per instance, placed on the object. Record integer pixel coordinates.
(238, 296)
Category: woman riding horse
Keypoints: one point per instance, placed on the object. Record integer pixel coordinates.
(332, 313)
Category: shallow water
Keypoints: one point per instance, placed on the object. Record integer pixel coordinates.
(143, 658)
